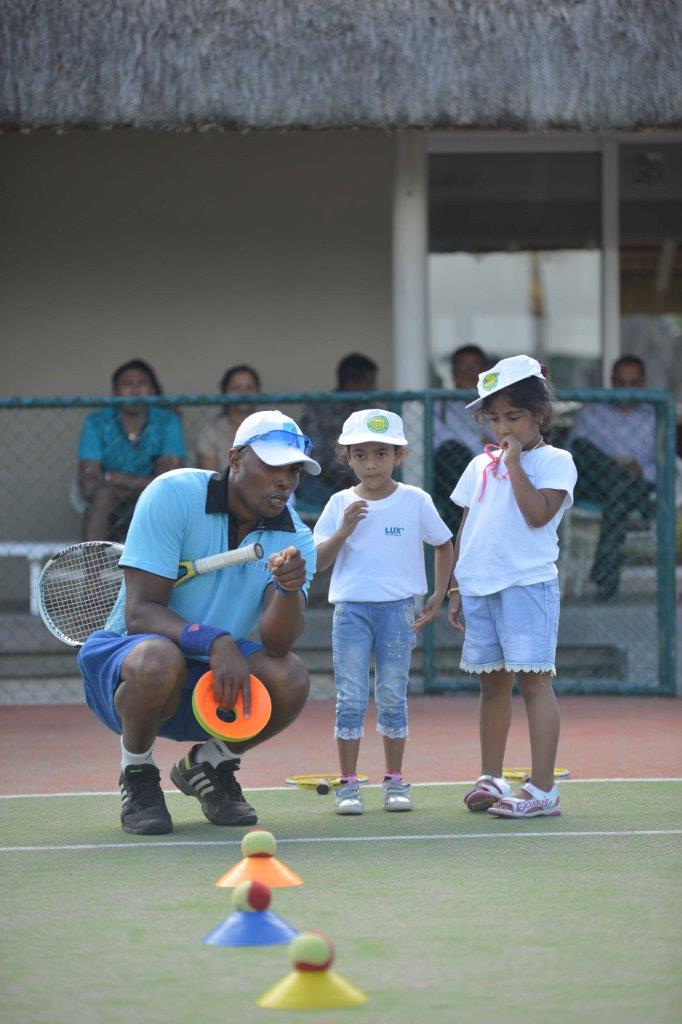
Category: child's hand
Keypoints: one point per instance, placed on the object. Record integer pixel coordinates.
(455, 611)
(352, 516)
(511, 448)
(429, 611)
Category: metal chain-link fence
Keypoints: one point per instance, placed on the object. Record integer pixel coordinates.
(617, 566)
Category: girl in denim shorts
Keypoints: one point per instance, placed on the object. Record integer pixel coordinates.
(374, 533)
(505, 579)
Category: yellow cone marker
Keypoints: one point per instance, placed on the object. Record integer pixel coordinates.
(311, 985)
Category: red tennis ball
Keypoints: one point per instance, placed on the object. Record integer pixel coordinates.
(311, 951)
(250, 896)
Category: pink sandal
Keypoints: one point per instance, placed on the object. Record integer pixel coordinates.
(536, 803)
(487, 791)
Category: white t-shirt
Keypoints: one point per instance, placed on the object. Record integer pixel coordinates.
(498, 548)
(383, 559)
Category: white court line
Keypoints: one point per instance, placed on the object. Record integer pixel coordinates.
(144, 844)
(288, 789)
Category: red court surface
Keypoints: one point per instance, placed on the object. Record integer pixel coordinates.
(63, 748)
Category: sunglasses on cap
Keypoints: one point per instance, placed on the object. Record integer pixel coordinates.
(283, 437)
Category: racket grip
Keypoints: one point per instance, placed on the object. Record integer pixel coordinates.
(226, 558)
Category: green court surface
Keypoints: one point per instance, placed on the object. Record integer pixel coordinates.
(438, 916)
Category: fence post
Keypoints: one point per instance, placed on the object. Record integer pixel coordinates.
(666, 543)
(429, 638)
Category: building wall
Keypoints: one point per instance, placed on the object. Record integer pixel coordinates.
(193, 251)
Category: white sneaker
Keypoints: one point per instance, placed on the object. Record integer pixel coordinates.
(533, 803)
(487, 791)
(396, 796)
(347, 799)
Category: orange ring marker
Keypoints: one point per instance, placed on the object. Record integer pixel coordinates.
(216, 721)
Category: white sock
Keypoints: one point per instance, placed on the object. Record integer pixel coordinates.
(214, 751)
(127, 758)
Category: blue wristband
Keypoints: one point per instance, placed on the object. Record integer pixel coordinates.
(283, 590)
(196, 638)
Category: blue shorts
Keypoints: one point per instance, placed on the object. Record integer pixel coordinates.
(100, 660)
(515, 629)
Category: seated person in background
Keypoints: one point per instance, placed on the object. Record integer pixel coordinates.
(320, 422)
(614, 449)
(457, 437)
(217, 437)
(121, 449)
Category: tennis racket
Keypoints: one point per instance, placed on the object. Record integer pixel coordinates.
(79, 586)
(322, 783)
(523, 774)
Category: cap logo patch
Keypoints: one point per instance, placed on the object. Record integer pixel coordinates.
(489, 381)
(378, 424)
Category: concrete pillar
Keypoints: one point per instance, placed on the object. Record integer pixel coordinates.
(610, 263)
(410, 245)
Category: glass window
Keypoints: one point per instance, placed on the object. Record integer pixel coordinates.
(651, 259)
(514, 260)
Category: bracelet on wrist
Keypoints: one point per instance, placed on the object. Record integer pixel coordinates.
(284, 590)
(196, 638)
(451, 590)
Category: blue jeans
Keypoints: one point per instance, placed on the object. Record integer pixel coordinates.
(360, 628)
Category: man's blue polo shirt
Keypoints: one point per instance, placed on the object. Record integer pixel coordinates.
(181, 516)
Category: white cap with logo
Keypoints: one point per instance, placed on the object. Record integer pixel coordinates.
(277, 440)
(373, 425)
(501, 375)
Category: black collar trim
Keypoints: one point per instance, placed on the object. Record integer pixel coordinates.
(216, 502)
(216, 493)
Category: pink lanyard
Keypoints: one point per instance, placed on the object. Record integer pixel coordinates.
(494, 465)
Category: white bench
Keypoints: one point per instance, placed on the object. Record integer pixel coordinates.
(36, 552)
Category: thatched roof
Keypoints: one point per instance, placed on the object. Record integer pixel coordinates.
(513, 64)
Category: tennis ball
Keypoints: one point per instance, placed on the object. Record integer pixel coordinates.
(259, 843)
(250, 896)
(311, 951)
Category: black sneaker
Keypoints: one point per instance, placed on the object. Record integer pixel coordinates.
(216, 789)
(144, 811)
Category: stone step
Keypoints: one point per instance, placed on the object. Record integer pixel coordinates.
(37, 664)
(30, 651)
(586, 662)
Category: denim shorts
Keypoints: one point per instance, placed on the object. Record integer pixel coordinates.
(360, 629)
(515, 629)
(100, 660)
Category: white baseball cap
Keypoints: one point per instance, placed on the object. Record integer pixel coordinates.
(373, 425)
(501, 375)
(276, 440)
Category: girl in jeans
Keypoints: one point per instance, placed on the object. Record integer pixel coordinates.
(374, 532)
(505, 580)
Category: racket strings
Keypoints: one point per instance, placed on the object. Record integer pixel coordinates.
(80, 588)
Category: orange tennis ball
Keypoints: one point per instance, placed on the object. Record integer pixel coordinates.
(259, 843)
(229, 723)
(311, 951)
